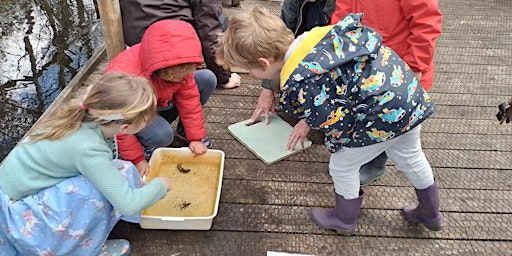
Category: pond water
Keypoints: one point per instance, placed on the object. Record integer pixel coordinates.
(43, 44)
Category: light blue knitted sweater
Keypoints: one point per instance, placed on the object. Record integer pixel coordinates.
(31, 167)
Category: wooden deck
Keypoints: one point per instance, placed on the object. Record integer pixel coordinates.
(265, 208)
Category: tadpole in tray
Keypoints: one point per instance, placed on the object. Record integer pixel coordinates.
(181, 169)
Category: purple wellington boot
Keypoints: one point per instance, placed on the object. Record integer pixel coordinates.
(342, 218)
(427, 211)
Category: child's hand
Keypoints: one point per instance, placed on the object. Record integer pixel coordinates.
(143, 168)
(299, 133)
(234, 81)
(197, 147)
(266, 106)
(167, 182)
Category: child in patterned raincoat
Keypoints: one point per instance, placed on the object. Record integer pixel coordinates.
(342, 80)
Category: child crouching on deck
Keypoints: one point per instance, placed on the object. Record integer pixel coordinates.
(341, 80)
(63, 189)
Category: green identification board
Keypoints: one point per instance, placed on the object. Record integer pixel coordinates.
(268, 142)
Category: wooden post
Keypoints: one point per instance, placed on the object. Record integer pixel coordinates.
(110, 14)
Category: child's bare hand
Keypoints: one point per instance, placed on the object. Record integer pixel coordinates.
(167, 182)
(299, 133)
(197, 147)
(143, 168)
(266, 106)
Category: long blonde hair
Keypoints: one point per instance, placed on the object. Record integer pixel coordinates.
(114, 97)
(252, 34)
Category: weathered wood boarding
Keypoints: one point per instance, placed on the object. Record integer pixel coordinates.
(265, 207)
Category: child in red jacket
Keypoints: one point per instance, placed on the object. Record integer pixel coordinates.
(410, 28)
(206, 17)
(167, 56)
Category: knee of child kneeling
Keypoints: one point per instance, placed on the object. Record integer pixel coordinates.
(163, 138)
(205, 78)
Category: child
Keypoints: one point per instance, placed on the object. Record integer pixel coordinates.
(410, 28)
(206, 16)
(60, 191)
(299, 16)
(341, 80)
(167, 56)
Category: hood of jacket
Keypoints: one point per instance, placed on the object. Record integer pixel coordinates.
(168, 43)
(332, 47)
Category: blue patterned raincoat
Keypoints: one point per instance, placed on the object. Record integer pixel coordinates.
(344, 82)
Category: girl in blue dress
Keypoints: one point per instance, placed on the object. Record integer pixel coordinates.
(63, 188)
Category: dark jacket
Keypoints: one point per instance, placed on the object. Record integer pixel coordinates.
(204, 16)
(350, 86)
(302, 15)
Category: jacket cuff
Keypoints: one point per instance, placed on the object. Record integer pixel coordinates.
(138, 159)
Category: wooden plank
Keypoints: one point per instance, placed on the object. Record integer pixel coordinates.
(317, 172)
(265, 207)
(110, 14)
(311, 194)
(371, 222)
(234, 243)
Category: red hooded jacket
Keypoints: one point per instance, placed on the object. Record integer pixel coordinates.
(165, 43)
(409, 27)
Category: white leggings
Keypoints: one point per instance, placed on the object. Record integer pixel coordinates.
(405, 151)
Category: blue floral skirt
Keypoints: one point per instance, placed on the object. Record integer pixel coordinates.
(70, 218)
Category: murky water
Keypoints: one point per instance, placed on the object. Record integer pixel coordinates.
(43, 44)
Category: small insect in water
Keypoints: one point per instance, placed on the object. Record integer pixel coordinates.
(181, 169)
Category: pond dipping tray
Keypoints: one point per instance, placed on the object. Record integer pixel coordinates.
(193, 200)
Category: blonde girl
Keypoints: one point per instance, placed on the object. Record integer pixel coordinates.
(63, 189)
